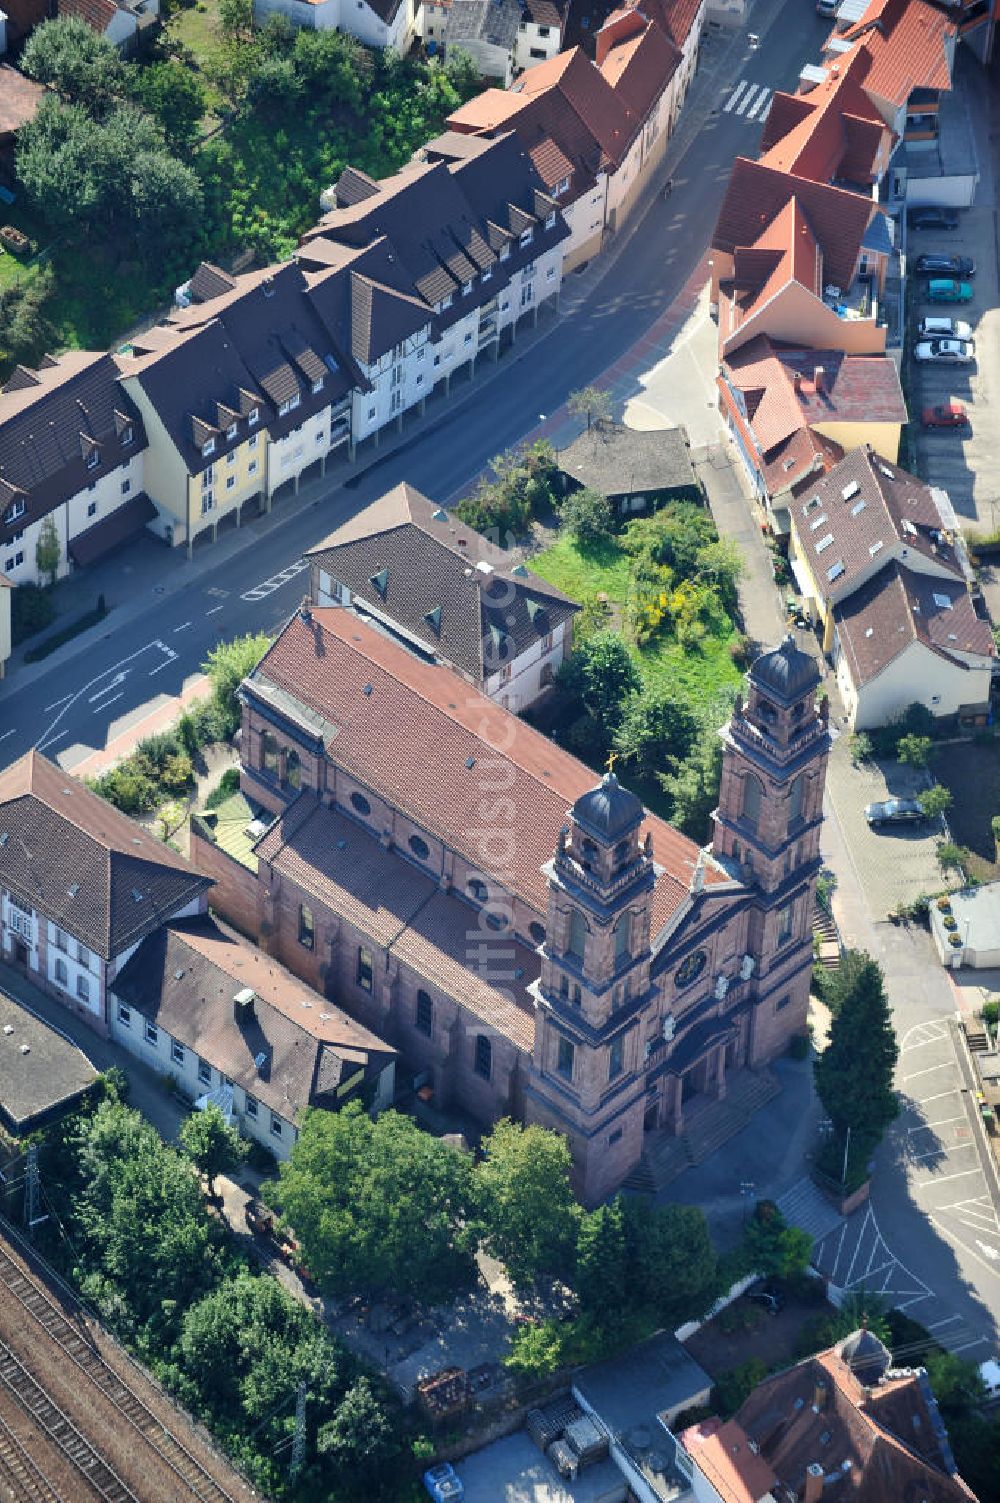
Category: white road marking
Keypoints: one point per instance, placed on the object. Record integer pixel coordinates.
(183, 627)
(944, 1122)
(946, 1064)
(966, 1345)
(926, 1031)
(735, 95)
(120, 695)
(49, 737)
(988, 1249)
(119, 678)
(941, 1152)
(755, 93)
(215, 610)
(948, 1321)
(57, 703)
(268, 586)
(761, 107)
(6, 734)
(942, 1179)
(52, 741)
(926, 1100)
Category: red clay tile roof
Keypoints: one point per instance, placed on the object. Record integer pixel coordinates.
(897, 607)
(907, 42)
(773, 410)
(855, 388)
(98, 14)
(674, 18)
(845, 1436)
(423, 729)
(832, 132)
(722, 1452)
(755, 195)
(639, 69)
(19, 99)
(607, 117)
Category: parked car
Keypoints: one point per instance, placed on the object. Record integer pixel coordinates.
(444, 1484)
(932, 217)
(945, 415)
(947, 290)
(945, 266)
(768, 1297)
(827, 8)
(894, 811)
(939, 327)
(947, 351)
(989, 1373)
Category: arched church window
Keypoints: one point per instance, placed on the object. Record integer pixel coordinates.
(623, 936)
(269, 753)
(796, 798)
(576, 940)
(293, 770)
(752, 795)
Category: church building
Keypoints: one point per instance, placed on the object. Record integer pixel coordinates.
(533, 945)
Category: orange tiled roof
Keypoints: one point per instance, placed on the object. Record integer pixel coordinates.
(422, 729)
(722, 1452)
(907, 42)
(639, 68)
(834, 131)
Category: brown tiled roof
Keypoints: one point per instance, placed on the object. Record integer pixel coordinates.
(878, 621)
(721, 1451)
(67, 853)
(675, 18)
(19, 99)
(343, 866)
(208, 281)
(834, 131)
(639, 68)
(98, 14)
(756, 193)
(871, 510)
(440, 582)
(45, 417)
(606, 116)
(854, 388)
(328, 663)
(185, 977)
(908, 42)
(773, 410)
(844, 1436)
(545, 12)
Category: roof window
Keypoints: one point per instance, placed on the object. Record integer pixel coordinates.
(505, 251)
(526, 237)
(15, 510)
(127, 436)
(858, 507)
(817, 521)
(93, 459)
(836, 570)
(942, 602)
(824, 543)
(380, 581)
(810, 505)
(876, 548)
(851, 489)
(231, 431)
(253, 417)
(208, 447)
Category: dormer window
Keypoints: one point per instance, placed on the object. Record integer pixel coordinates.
(487, 274)
(550, 220)
(466, 288)
(562, 186)
(253, 416)
(15, 510)
(93, 459)
(317, 385)
(289, 406)
(126, 437)
(208, 447)
(526, 238)
(446, 302)
(231, 431)
(505, 251)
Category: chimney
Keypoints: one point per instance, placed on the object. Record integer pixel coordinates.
(819, 1397)
(797, 382)
(243, 1005)
(819, 378)
(813, 1490)
(305, 609)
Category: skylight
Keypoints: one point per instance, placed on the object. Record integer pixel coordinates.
(851, 489)
(824, 542)
(817, 521)
(876, 547)
(836, 570)
(858, 507)
(942, 602)
(810, 505)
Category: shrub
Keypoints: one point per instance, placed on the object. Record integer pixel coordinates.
(741, 650)
(588, 516)
(229, 784)
(32, 610)
(736, 1385)
(860, 747)
(127, 787)
(991, 1013)
(914, 750)
(177, 772)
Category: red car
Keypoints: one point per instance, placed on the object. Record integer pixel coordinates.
(945, 415)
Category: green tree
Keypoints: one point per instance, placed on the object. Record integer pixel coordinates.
(773, 1248)
(175, 97)
(854, 1073)
(693, 789)
(722, 564)
(936, 801)
(527, 1208)
(657, 733)
(914, 750)
(227, 666)
(601, 674)
(212, 1144)
(236, 18)
(47, 550)
(361, 1434)
(673, 1268)
(591, 402)
(841, 982)
(951, 857)
(588, 516)
(81, 66)
(356, 1193)
(600, 1280)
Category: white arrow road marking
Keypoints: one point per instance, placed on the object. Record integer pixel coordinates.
(990, 1251)
(119, 678)
(52, 733)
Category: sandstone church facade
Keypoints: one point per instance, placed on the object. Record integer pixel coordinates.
(533, 945)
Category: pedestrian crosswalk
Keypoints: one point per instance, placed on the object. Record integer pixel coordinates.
(749, 100)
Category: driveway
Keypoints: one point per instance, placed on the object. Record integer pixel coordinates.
(893, 866)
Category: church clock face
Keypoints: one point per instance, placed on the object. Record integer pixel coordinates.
(690, 968)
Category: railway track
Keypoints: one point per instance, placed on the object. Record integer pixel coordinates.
(20, 1479)
(88, 1359)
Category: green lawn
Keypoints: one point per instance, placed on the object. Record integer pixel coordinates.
(196, 29)
(697, 676)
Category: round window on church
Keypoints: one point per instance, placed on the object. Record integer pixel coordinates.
(361, 804)
(419, 847)
(537, 932)
(690, 968)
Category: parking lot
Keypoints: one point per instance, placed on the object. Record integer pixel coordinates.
(964, 462)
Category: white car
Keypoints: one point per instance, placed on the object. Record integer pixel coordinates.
(948, 351)
(945, 328)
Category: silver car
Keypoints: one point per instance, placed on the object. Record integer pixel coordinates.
(937, 327)
(947, 351)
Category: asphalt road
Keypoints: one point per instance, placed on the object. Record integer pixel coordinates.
(152, 646)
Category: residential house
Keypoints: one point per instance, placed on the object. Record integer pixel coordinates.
(911, 44)
(591, 970)
(229, 1023)
(540, 31)
(880, 563)
(635, 469)
(80, 885)
(72, 446)
(800, 260)
(6, 609)
(411, 567)
(121, 22)
(845, 1419)
(456, 253)
(376, 23)
(682, 23)
(488, 31)
(594, 134)
(792, 413)
(829, 130)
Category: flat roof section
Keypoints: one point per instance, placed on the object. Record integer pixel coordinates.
(42, 1073)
